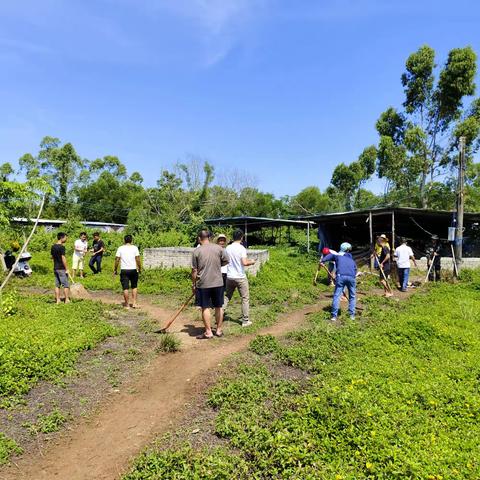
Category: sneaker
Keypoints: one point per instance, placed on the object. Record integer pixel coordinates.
(352, 318)
(333, 319)
(246, 323)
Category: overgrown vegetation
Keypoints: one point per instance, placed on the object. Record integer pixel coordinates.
(395, 396)
(7, 448)
(41, 341)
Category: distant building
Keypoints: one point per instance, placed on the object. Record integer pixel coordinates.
(50, 225)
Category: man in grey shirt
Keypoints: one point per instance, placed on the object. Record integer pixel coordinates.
(207, 262)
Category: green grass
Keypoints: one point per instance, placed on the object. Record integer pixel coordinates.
(169, 343)
(41, 341)
(50, 423)
(7, 448)
(394, 397)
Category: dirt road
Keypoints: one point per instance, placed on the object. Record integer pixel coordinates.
(102, 446)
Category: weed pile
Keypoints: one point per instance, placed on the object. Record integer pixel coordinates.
(396, 396)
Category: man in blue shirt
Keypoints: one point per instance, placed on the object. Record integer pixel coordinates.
(346, 272)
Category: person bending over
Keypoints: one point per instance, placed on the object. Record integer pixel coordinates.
(346, 269)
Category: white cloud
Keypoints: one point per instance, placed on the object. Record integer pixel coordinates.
(221, 23)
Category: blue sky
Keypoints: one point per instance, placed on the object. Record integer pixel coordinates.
(281, 89)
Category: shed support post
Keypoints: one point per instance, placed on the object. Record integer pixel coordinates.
(372, 246)
(308, 237)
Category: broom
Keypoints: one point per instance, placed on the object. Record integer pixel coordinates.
(177, 313)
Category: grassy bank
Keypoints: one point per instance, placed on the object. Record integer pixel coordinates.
(40, 340)
(396, 396)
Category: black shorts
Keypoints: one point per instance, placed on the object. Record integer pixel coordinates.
(128, 278)
(210, 297)
(386, 270)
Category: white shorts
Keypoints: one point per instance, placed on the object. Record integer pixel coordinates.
(77, 262)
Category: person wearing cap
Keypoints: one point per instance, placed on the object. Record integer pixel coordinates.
(433, 256)
(384, 264)
(346, 272)
(330, 265)
(378, 248)
(222, 241)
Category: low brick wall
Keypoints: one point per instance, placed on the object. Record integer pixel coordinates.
(173, 257)
(446, 262)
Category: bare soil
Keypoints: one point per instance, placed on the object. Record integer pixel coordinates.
(118, 406)
(128, 417)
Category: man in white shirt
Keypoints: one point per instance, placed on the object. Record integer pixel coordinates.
(80, 248)
(236, 276)
(128, 257)
(403, 255)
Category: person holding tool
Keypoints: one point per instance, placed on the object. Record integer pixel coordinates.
(403, 255)
(346, 272)
(434, 260)
(384, 264)
(60, 268)
(207, 263)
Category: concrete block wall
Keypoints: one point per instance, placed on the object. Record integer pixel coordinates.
(446, 262)
(181, 257)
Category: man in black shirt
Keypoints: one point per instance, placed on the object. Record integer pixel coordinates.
(95, 262)
(433, 256)
(60, 268)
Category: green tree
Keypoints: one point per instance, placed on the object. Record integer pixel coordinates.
(309, 201)
(417, 146)
(106, 193)
(58, 166)
(348, 179)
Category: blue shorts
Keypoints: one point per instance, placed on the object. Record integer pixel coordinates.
(210, 297)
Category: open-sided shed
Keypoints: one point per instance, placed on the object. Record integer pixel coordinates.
(254, 224)
(361, 227)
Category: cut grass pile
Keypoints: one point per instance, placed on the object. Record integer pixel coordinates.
(41, 341)
(394, 397)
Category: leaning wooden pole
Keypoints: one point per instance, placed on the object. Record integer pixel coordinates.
(25, 245)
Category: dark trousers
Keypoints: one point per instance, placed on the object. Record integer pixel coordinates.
(434, 275)
(95, 263)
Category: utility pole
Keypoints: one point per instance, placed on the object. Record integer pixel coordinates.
(460, 204)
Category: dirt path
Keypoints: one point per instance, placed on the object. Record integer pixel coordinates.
(183, 327)
(102, 446)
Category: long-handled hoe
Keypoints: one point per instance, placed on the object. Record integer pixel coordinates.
(383, 275)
